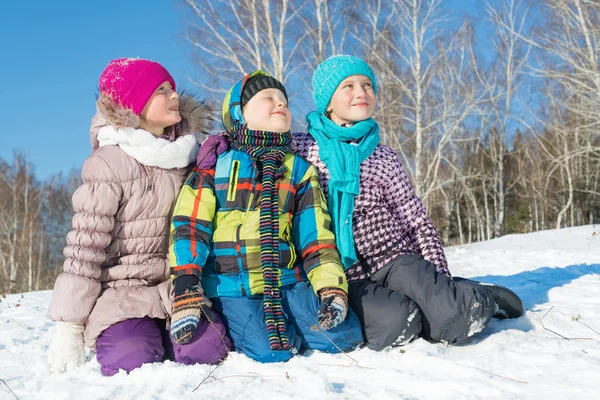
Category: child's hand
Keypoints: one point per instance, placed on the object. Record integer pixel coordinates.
(66, 351)
(334, 307)
(188, 305)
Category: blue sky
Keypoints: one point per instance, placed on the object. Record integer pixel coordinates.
(54, 51)
(52, 55)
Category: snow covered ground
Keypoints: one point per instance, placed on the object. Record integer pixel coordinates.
(552, 352)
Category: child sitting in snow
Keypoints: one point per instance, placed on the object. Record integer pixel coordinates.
(114, 293)
(255, 231)
(399, 283)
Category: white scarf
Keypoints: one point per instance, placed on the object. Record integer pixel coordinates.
(149, 149)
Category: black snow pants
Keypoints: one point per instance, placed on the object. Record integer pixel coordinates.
(409, 298)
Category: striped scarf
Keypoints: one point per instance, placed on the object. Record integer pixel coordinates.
(267, 150)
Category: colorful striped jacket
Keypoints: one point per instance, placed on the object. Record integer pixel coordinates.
(215, 228)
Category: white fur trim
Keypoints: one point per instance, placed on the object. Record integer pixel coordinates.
(149, 149)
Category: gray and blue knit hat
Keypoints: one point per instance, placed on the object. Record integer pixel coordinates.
(331, 72)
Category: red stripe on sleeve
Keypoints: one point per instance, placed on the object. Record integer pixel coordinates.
(316, 248)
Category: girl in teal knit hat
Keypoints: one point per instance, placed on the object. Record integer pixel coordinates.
(399, 283)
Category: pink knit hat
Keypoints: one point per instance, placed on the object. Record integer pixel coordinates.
(131, 81)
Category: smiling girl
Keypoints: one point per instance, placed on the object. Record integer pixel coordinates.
(399, 283)
(115, 293)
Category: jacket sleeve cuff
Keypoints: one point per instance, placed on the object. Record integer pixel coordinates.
(328, 275)
(186, 269)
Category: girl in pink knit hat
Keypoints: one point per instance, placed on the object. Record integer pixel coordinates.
(115, 294)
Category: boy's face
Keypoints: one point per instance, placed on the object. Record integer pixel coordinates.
(352, 101)
(161, 111)
(268, 111)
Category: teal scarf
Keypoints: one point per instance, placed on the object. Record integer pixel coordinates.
(343, 161)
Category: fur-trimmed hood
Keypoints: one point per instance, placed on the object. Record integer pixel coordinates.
(197, 118)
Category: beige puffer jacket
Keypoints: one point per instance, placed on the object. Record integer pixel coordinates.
(116, 264)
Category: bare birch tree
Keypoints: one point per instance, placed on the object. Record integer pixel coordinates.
(509, 23)
(568, 49)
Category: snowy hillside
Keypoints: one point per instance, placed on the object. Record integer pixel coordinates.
(552, 352)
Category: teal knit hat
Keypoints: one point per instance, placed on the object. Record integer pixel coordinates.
(331, 72)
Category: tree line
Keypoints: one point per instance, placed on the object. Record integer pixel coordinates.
(497, 138)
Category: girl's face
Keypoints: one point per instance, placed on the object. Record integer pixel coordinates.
(268, 111)
(161, 111)
(352, 101)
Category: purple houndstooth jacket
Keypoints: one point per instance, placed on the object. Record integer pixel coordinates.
(389, 219)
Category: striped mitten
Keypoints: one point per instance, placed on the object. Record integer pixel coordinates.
(334, 307)
(188, 305)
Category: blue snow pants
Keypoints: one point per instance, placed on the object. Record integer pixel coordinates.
(245, 321)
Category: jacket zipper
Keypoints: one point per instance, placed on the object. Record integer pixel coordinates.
(235, 166)
(238, 238)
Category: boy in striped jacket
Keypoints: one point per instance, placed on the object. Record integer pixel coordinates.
(253, 235)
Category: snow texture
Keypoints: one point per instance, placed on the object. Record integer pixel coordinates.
(556, 273)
